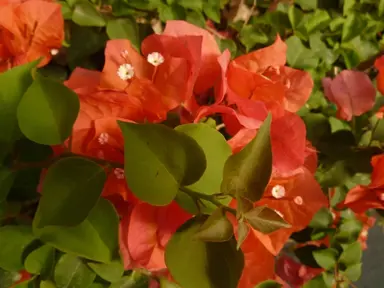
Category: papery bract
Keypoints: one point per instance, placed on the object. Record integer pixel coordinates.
(361, 198)
(210, 51)
(352, 92)
(30, 30)
(294, 273)
(144, 232)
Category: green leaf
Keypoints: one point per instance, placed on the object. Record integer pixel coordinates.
(70, 271)
(351, 255)
(317, 282)
(124, 28)
(242, 233)
(41, 260)
(47, 284)
(85, 14)
(71, 188)
(7, 177)
(298, 56)
(353, 273)
(353, 26)
(326, 258)
(217, 151)
(265, 220)
(348, 6)
(227, 44)
(193, 263)
(295, 16)
(319, 20)
(307, 4)
(349, 231)
(194, 5)
(251, 35)
(13, 241)
(217, 228)
(336, 24)
(212, 10)
(247, 173)
(66, 10)
(171, 12)
(306, 255)
(159, 160)
(95, 238)
(110, 272)
(134, 280)
(196, 18)
(322, 219)
(381, 8)
(13, 83)
(320, 49)
(269, 284)
(47, 111)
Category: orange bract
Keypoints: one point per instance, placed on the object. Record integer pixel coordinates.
(30, 30)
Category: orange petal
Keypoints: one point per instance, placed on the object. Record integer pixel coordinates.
(352, 92)
(259, 60)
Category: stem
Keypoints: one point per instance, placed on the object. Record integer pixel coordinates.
(210, 198)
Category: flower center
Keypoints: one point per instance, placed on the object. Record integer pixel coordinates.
(278, 191)
(103, 138)
(119, 173)
(298, 200)
(125, 71)
(155, 58)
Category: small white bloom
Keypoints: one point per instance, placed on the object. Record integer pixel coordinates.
(124, 54)
(16, 277)
(119, 173)
(364, 233)
(278, 191)
(381, 196)
(103, 138)
(54, 52)
(298, 200)
(125, 71)
(155, 58)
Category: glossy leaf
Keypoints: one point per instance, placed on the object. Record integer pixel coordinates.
(265, 220)
(353, 273)
(217, 151)
(242, 233)
(326, 258)
(351, 255)
(352, 27)
(41, 260)
(322, 219)
(319, 20)
(13, 83)
(217, 228)
(13, 241)
(85, 14)
(47, 111)
(298, 56)
(70, 271)
(212, 10)
(269, 284)
(110, 272)
(247, 173)
(71, 188)
(193, 263)
(124, 28)
(134, 280)
(95, 238)
(159, 160)
(47, 284)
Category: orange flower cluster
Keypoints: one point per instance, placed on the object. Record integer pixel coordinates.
(178, 72)
(29, 30)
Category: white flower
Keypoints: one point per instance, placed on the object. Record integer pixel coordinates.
(278, 191)
(155, 58)
(125, 71)
(54, 52)
(298, 200)
(119, 173)
(103, 138)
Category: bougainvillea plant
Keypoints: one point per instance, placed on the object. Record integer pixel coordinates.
(194, 144)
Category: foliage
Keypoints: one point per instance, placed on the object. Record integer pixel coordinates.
(158, 143)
